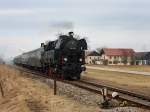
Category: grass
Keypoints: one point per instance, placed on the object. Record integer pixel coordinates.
(38, 92)
(143, 68)
(121, 79)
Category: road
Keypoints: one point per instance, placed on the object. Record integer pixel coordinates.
(119, 70)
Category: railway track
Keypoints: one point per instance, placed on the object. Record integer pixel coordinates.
(138, 99)
(95, 86)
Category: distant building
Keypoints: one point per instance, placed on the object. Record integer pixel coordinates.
(142, 58)
(117, 56)
(87, 52)
(148, 58)
(93, 58)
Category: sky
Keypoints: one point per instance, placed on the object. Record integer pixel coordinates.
(24, 24)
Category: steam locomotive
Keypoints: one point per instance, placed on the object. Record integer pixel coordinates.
(64, 57)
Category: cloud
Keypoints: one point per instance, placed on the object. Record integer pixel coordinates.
(25, 11)
(12, 45)
(61, 26)
(24, 24)
(13, 40)
(15, 12)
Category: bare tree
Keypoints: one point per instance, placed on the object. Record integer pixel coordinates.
(99, 49)
(77, 36)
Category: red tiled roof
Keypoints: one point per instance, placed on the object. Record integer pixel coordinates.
(118, 52)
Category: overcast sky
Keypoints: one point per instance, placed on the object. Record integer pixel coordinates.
(24, 24)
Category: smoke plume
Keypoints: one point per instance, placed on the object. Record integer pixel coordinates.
(61, 27)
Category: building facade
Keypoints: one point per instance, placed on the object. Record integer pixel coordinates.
(93, 58)
(142, 58)
(116, 56)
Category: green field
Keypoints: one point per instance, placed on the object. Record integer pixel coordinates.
(143, 68)
(120, 79)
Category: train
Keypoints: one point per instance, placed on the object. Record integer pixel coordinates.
(63, 57)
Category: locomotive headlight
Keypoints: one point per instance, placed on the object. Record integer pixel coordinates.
(80, 59)
(83, 66)
(65, 59)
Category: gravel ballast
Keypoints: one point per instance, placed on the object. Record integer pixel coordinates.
(89, 98)
(76, 93)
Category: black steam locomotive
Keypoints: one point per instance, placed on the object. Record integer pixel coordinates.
(64, 57)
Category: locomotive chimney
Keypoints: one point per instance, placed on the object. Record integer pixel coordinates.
(71, 34)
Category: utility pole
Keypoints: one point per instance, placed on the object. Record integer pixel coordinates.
(105, 103)
(55, 84)
(53, 77)
(1, 89)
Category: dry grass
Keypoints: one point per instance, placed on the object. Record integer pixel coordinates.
(143, 68)
(36, 93)
(24, 94)
(121, 79)
(12, 100)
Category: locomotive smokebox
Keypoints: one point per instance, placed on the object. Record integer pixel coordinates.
(71, 45)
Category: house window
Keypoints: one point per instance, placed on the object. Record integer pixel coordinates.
(115, 62)
(110, 62)
(110, 57)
